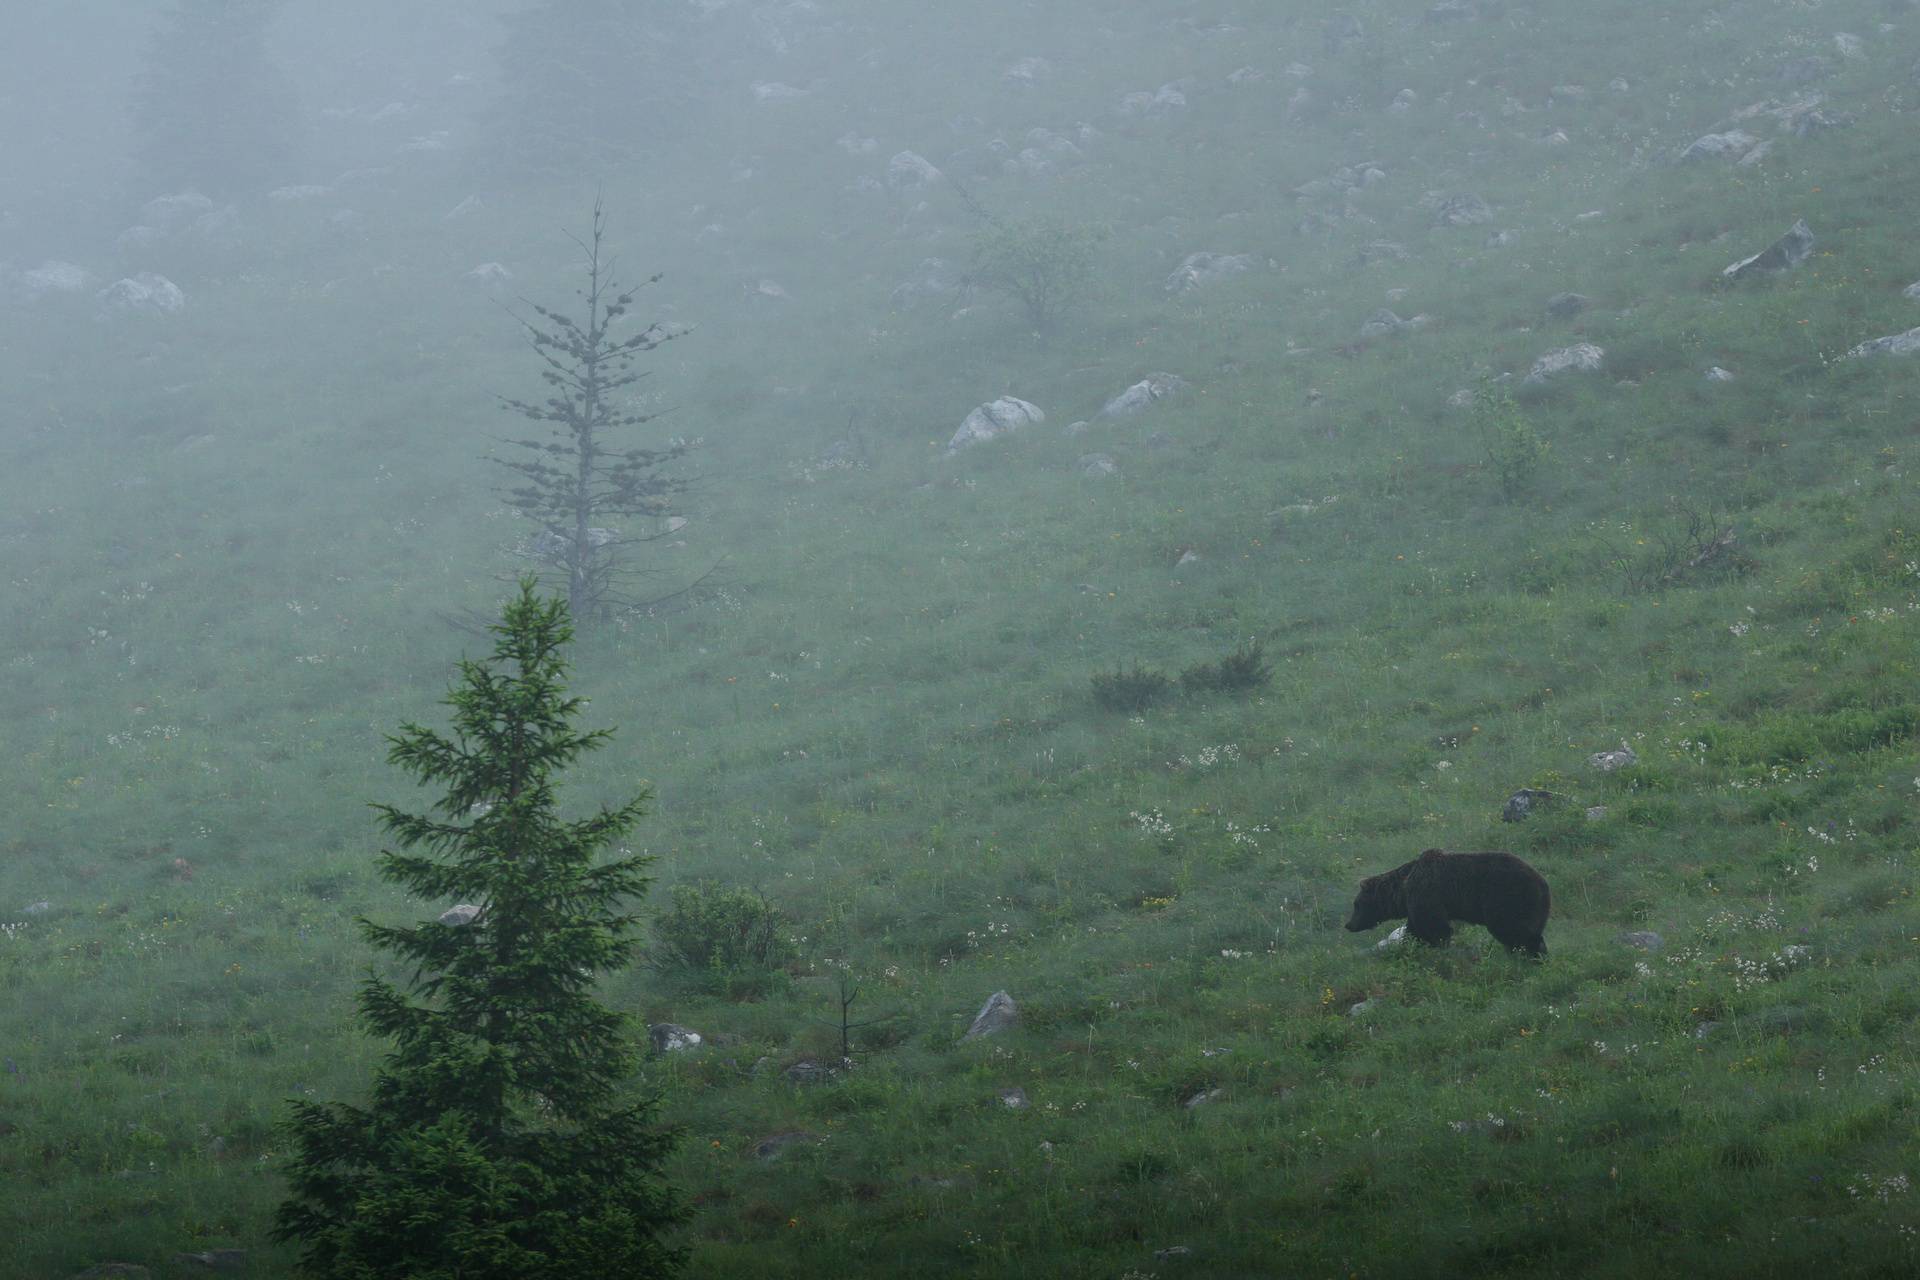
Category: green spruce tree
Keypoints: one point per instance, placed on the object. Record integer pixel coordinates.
(500, 1142)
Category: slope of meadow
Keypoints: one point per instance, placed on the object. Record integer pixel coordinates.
(233, 537)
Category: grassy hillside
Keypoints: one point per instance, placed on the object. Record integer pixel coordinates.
(233, 538)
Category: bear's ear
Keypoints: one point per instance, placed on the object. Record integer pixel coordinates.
(1428, 854)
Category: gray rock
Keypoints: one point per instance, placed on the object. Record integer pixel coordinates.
(1912, 292)
(1198, 269)
(1705, 1029)
(777, 91)
(1784, 254)
(1528, 801)
(1096, 464)
(1499, 239)
(461, 916)
(1381, 324)
(1365, 1007)
(170, 212)
(143, 294)
(933, 281)
(1565, 306)
(1013, 1099)
(1382, 251)
(809, 1072)
(1642, 940)
(1851, 47)
(39, 908)
(1188, 557)
(1165, 100)
(1395, 939)
(988, 421)
(995, 1016)
(1581, 357)
(1596, 813)
(53, 277)
(1898, 344)
(1462, 211)
(671, 1037)
(215, 1259)
(1028, 70)
(1717, 374)
(1608, 761)
(1172, 1253)
(113, 1271)
(775, 1145)
(1799, 71)
(490, 273)
(137, 238)
(1717, 146)
(1143, 394)
(1202, 1098)
(909, 172)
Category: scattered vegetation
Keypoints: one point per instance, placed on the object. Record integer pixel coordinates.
(1241, 671)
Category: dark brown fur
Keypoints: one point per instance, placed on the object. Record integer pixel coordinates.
(1497, 890)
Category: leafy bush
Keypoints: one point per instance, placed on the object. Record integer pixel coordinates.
(1044, 263)
(1515, 450)
(1130, 689)
(1242, 670)
(714, 927)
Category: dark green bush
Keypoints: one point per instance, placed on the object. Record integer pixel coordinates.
(714, 927)
(1130, 688)
(1242, 670)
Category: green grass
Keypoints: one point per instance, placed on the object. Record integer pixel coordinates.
(880, 714)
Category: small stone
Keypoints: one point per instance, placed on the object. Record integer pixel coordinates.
(1013, 1099)
(775, 1145)
(995, 1016)
(1187, 558)
(1172, 1252)
(1565, 306)
(1705, 1029)
(1096, 464)
(1596, 812)
(808, 1072)
(1397, 938)
(1912, 291)
(1202, 1098)
(1789, 251)
(113, 1271)
(1717, 374)
(1643, 940)
(1523, 803)
(215, 1259)
(670, 1037)
(1608, 761)
(1583, 356)
(1364, 1007)
(36, 908)
(1142, 394)
(461, 916)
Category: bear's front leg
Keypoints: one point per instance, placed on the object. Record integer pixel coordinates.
(1428, 925)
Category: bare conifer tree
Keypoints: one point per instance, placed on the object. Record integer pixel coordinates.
(577, 483)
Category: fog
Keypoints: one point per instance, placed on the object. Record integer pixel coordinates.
(1251, 637)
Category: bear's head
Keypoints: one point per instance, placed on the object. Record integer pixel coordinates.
(1381, 897)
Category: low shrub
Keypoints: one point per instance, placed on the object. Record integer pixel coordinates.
(721, 929)
(1130, 688)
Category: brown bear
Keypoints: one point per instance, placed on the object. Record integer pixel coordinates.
(1497, 890)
